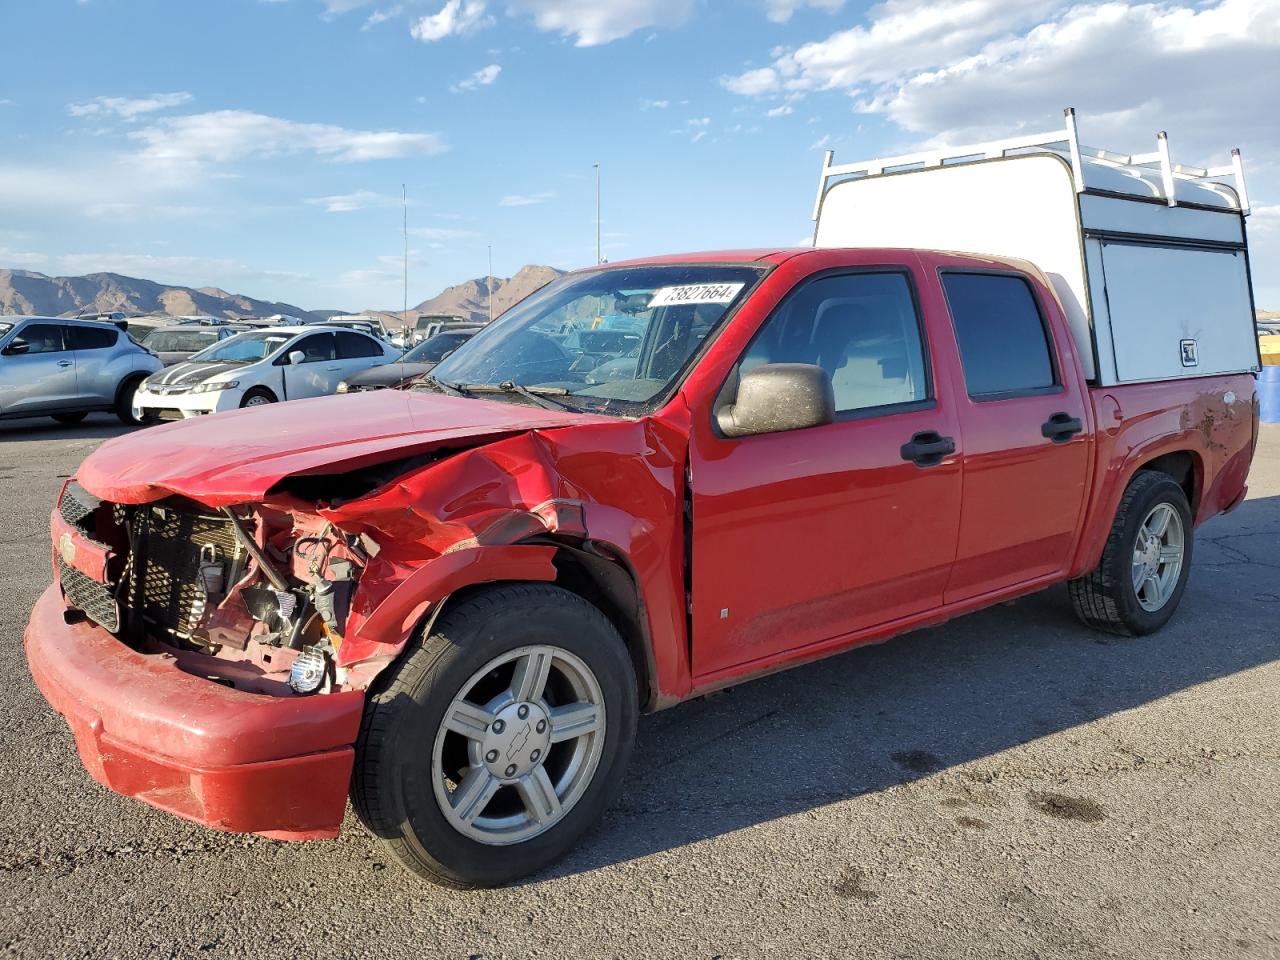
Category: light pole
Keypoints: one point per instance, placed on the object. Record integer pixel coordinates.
(490, 286)
(404, 200)
(598, 257)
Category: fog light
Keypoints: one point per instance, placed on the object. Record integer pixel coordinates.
(308, 670)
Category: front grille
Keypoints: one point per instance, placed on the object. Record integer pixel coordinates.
(77, 504)
(86, 594)
(170, 545)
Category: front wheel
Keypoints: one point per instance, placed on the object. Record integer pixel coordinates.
(124, 404)
(1136, 587)
(257, 397)
(490, 749)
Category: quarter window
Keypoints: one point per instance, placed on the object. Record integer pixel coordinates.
(1003, 343)
(862, 329)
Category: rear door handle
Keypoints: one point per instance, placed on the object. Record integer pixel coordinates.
(1061, 427)
(927, 448)
(65, 363)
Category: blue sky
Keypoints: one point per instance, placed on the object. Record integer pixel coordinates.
(260, 146)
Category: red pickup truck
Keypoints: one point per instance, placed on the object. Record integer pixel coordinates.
(816, 449)
(645, 482)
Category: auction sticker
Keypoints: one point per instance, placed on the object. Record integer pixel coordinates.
(695, 293)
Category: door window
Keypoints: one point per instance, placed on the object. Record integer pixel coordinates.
(1003, 343)
(90, 338)
(354, 345)
(315, 348)
(42, 337)
(862, 329)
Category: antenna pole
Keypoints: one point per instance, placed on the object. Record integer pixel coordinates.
(599, 259)
(404, 201)
(490, 287)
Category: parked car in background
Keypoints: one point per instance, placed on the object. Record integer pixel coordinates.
(180, 342)
(258, 367)
(421, 359)
(69, 368)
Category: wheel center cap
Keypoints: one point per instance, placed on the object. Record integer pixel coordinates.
(517, 740)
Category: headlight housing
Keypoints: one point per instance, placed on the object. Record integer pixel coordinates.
(212, 386)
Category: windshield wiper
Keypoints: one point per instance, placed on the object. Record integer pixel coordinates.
(444, 386)
(537, 395)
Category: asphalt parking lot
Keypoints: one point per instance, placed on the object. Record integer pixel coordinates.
(1006, 785)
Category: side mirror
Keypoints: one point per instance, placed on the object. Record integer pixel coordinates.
(17, 346)
(296, 356)
(776, 397)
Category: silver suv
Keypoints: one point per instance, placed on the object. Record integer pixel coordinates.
(67, 369)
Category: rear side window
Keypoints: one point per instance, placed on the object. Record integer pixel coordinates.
(352, 345)
(1003, 343)
(861, 328)
(90, 338)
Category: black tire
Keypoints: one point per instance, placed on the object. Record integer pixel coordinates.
(257, 393)
(124, 402)
(1105, 598)
(391, 786)
(69, 419)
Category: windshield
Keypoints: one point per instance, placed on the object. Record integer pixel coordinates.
(179, 341)
(570, 334)
(245, 347)
(433, 349)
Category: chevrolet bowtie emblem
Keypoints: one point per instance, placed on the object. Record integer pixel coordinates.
(67, 548)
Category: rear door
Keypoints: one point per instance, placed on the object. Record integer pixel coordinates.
(318, 373)
(805, 536)
(37, 370)
(1026, 433)
(94, 347)
(356, 352)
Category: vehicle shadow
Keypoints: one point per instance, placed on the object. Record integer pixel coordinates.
(881, 716)
(96, 426)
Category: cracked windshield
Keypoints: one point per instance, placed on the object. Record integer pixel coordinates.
(609, 341)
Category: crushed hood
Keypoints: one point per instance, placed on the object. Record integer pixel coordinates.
(236, 457)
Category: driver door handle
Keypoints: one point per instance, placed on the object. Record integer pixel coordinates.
(64, 363)
(927, 448)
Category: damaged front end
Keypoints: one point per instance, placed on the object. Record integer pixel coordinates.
(253, 598)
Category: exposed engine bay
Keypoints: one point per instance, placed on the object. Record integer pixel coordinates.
(256, 599)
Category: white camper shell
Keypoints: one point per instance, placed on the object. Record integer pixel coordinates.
(1149, 258)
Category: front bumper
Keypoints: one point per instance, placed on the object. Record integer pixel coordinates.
(225, 758)
(184, 405)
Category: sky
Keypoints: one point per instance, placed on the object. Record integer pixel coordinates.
(260, 146)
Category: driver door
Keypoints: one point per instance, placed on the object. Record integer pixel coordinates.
(808, 536)
(37, 370)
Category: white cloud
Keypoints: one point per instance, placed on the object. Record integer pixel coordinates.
(481, 78)
(781, 111)
(526, 200)
(382, 16)
(349, 202)
(229, 135)
(697, 136)
(753, 83)
(443, 233)
(127, 108)
(648, 104)
(6, 102)
(780, 11)
(189, 271)
(593, 22)
(455, 18)
(700, 122)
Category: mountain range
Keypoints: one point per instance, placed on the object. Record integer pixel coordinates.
(28, 292)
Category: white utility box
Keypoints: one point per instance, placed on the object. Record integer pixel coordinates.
(1149, 258)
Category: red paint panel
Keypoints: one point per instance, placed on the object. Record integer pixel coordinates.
(77, 550)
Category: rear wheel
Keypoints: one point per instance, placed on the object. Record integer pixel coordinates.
(257, 397)
(495, 744)
(1138, 584)
(69, 418)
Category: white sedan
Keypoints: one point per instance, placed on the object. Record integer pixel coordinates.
(257, 367)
